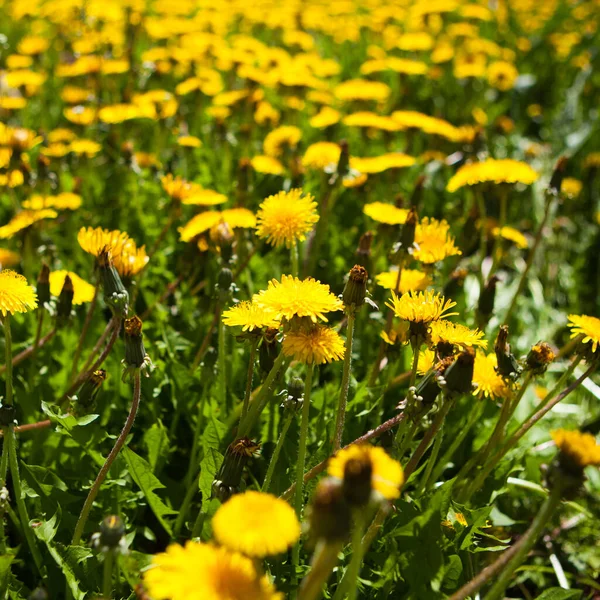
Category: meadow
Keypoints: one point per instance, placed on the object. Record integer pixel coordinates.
(300, 299)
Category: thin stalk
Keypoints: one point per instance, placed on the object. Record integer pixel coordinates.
(8, 401)
(530, 257)
(11, 444)
(431, 462)
(294, 258)
(38, 331)
(343, 396)
(84, 330)
(221, 367)
(324, 560)
(249, 376)
(275, 457)
(108, 575)
(192, 489)
(410, 398)
(298, 501)
(206, 341)
(85, 511)
(497, 242)
(192, 467)
(19, 358)
(526, 543)
(357, 555)
(483, 237)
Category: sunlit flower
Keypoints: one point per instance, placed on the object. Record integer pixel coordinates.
(315, 345)
(433, 241)
(63, 201)
(199, 571)
(398, 334)
(80, 115)
(292, 297)
(286, 217)
(387, 475)
(16, 295)
(502, 75)
(427, 361)
(8, 258)
(280, 138)
(256, 525)
(411, 280)
(130, 259)
(512, 235)
(326, 117)
(492, 170)
(178, 188)
(189, 141)
(321, 155)
(87, 147)
(383, 212)
(94, 241)
(379, 164)
(25, 219)
(485, 378)
(234, 217)
(421, 307)
(571, 187)
(267, 164)
(362, 89)
(249, 316)
(371, 120)
(587, 326)
(580, 448)
(82, 290)
(446, 332)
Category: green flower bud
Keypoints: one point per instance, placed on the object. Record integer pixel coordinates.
(115, 294)
(329, 514)
(65, 300)
(459, 375)
(355, 289)
(43, 285)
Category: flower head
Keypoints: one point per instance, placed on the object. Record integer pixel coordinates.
(276, 141)
(443, 331)
(512, 235)
(25, 219)
(249, 316)
(492, 170)
(587, 326)
(382, 212)
(314, 345)
(379, 164)
(256, 525)
(486, 379)
(292, 297)
(433, 241)
(267, 165)
(387, 475)
(94, 241)
(286, 217)
(200, 571)
(321, 155)
(580, 448)
(571, 187)
(421, 307)
(130, 260)
(234, 217)
(16, 295)
(8, 258)
(83, 291)
(411, 280)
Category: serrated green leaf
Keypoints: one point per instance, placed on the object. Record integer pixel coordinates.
(211, 462)
(157, 443)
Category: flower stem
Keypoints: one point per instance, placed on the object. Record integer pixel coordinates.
(294, 258)
(324, 560)
(85, 511)
(108, 575)
(84, 330)
(221, 368)
(431, 462)
(357, 555)
(249, 376)
(275, 457)
(343, 396)
(8, 401)
(410, 398)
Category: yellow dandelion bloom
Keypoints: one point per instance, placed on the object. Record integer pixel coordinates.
(277, 140)
(421, 307)
(321, 155)
(362, 89)
(25, 219)
(427, 360)
(94, 241)
(267, 165)
(571, 187)
(502, 75)
(398, 334)
(16, 295)
(317, 345)
(256, 524)
(385, 213)
(204, 197)
(234, 217)
(411, 280)
(580, 448)
(487, 382)
(82, 290)
(512, 235)
(178, 188)
(410, 119)
(292, 297)
(456, 334)
(249, 316)
(587, 326)
(433, 241)
(286, 217)
(494, 171)
(63, 201)
(8, 258)
(371, 120)
(199, 571)
(87, 147)
(326, 117)
(387, 475)
(189, 141)
(379, 164)
(130, 259)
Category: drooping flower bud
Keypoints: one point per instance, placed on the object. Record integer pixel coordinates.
(508, 366)
(111, 537)
(43, 285)
(329, 515)
(459, 375)
(417, 193)
(86, 396)
(65, 300)
(268, 350)
(115, 294)
(558, 175)
(356, 483)
(355, 289)
(539, 357)
(136, 358)
(344, 160)
(407, 235)
(228, 479)
(487, 299)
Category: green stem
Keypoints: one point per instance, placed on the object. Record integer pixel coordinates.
(221, 368)
(324, 560)
(11, 444)
(294, 258)
(8, 401)
(84, 330)
(298, 501)
(357, 555)
(432, 461)
(410, 398)
(249, 376)
(275, 457)
(526, 544)
(85, 511)
(38, 331)
(343, 396)
(191, 488)
(108, 575)
(482, 234)
(193, 466)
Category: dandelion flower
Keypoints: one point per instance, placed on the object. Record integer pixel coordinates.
(427, 360)
(249, 316)
(411, 280)
(587, 326)
(293, 297)
(421, 307)
(256, 524)
(276, 141)
(379, 164)
(316, 345)
(362, 89)
(234, 217)
(178, 188)
(286, 217)
(446, 332)
(320, 155)
(571, 187)
(580, 448)
(387, 475)
(267, 165)
(494, 171)
(204, 197)
(16, 295)
(130, 260)
(200, 571)
(94, 241)
(8, 258)
(433, 241)
(386, 213)
(326, 117)
(512, 235)
(82, 290)
(24, 219)
(487, 381)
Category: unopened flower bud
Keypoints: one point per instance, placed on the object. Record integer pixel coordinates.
(417, 193)
(363, 252)
(295, 394)
(221, 236)
(357, 481)
(65, 300)
(459, 375)
(355, 289)
(228, 479)
(407, 235)
(7, 415)
(135, 353)
(86, 396)
(487, 299)
(558, 175)
(43, 285)
(243, 176)
(115, 294)
(539, 357)
(330, 514)
(344, 160)
(268, 350)
(111, 537)
(224, 281)
(507, 364)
